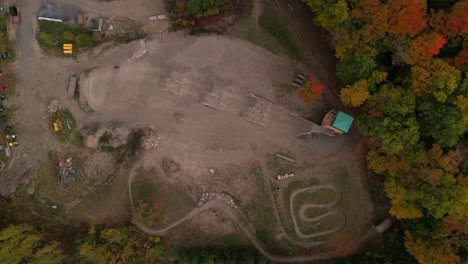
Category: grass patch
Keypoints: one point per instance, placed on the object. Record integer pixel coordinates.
(351, 204)
(53, 35)
(270, 21)
(5, 44)
(261, 214)
(47, 182)
(280, 166)
(322, 196)
(247, 28)
(9, 81)
(67, 128)
(172, 202)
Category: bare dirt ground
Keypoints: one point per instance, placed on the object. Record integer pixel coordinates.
(210, 99)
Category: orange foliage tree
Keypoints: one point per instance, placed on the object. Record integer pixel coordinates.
(457, 19)
(406, 17)
(311, 90)
(424, 47)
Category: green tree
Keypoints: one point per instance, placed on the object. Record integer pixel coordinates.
(354, 68)
(23, 244)
(442, 122)
(391, 119)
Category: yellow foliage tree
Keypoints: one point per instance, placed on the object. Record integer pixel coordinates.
(462, 105)
(435, 77)
(430, 250)
(376, 162)
(403, 200)
(355, 95)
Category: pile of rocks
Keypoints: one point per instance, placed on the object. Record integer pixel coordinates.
(216, 196)
(53, 106)
(150, 140)
(140, 52)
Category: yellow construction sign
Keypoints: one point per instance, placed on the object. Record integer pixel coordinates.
(67, 48)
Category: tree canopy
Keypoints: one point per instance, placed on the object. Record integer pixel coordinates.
(24, 244)
(403, 64)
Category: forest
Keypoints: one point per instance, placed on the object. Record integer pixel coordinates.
(403, 65)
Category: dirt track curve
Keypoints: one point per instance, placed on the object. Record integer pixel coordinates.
(236, 215)
(304, 207)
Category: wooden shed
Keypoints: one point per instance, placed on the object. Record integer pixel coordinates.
(337, 121)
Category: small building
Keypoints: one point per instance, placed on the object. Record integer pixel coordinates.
(337, 121)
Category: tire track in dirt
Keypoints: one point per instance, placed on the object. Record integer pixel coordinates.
(304, 207)
(236, 216)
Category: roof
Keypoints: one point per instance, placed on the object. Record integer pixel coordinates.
(343, 122)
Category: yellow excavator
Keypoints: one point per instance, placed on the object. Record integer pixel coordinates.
(58, 124)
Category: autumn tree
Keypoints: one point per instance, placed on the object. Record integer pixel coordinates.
(120, 245)
(330, 13)
(355, 95)
(404, 205)
(427, 250)
(406, 17)
(457, 20)
(24, 244)
(462, 105)
(424, 47)
(436, 78)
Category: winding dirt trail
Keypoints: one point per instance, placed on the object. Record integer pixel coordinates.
(305, 207)
(237, 215)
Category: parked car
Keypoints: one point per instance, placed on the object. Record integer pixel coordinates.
(15, 14)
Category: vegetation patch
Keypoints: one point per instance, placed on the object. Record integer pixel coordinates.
(53, 35)
(270, 21)
(218, 255)
(205, 16)
(63, 127)
(261, 214)
(158, 204)
(6, 46)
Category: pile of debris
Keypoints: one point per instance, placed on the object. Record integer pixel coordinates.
(216, 196)
(150, 140)
(138, 54)
(67, 175)
(53, 106)
(285, 176)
